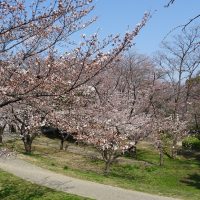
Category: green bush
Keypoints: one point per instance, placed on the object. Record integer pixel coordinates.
(65, 167)
(191, 143)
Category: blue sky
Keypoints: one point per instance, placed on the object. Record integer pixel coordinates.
(115, 16)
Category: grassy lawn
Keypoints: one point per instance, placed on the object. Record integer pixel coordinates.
(13, 188)
(177, 178)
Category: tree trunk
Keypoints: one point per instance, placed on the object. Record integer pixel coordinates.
(161, 157)
(174, 148)
(62, 145)
(135, 149)
(174, 152)
(12, 129)
(27, 147)
(1, 139)
(1, 133)
(107, 157)
(107, 167)
(132, 151)
(27, 143)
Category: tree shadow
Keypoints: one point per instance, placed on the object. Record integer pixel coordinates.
(190, 154)
(146, 157)
(192, 180)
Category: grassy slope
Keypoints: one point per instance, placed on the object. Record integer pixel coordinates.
(178, 178)
(13, 188)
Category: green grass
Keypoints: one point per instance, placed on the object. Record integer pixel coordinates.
(13, 188)
(177, 178)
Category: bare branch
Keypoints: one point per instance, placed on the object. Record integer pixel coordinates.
(170, 3)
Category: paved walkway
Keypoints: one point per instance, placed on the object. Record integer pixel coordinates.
(67, 184)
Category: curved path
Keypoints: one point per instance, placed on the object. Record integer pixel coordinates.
(67, 184)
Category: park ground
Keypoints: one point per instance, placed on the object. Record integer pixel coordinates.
(179, 178)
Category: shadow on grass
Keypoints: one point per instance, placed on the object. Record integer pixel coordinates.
(126, 172)
(122, 176)
(189, 154)
(143, 155)
(192, 180)
(40, 154)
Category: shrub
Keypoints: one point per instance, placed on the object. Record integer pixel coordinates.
(65, 167)
(191, 143)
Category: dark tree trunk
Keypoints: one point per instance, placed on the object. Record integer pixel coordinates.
(61, 144)
(27, 143)
(12, 129)
(1, 133)
(109, 158)
(135, 152)
(107, 167)
(1, 139)
(28, 147)
(131, 151)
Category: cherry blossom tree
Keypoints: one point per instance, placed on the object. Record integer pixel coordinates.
(180, 63)
(110, 121)
(167, 132)
(28, 121)
(100, 117)
(30, 55)
(193, 102)
(167, 127)
(5, 120)
(38, 59)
